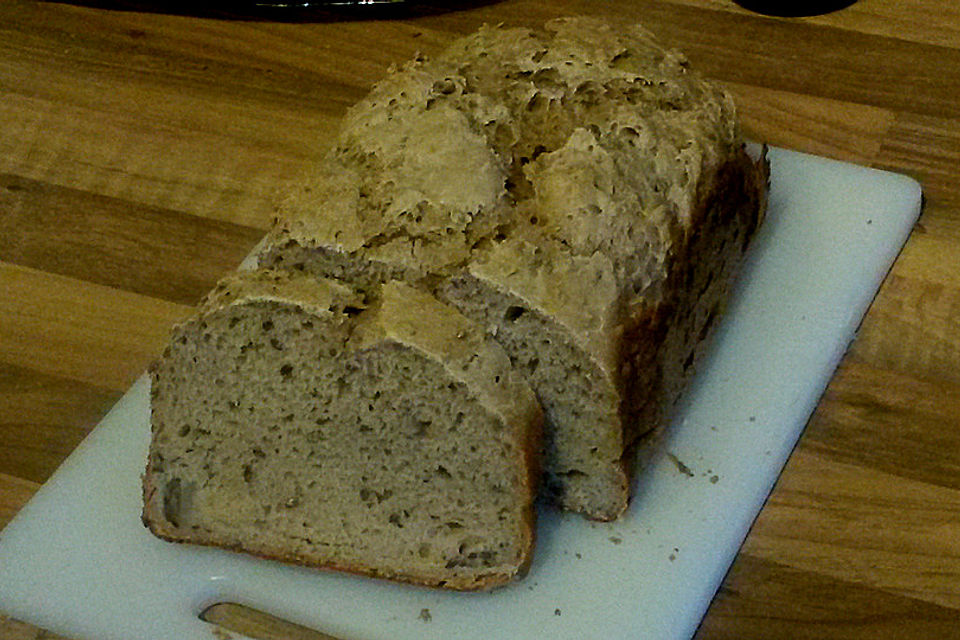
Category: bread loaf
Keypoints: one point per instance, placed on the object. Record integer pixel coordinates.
(292, 421)
(578, 191)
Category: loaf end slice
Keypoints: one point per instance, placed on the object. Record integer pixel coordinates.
(291, 422)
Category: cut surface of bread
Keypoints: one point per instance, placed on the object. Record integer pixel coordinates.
(578, 191)
(292, 421)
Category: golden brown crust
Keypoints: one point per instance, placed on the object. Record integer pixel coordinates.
(731, 208)
(584, 154)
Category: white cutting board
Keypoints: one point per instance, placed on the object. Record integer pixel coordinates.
(77, 561)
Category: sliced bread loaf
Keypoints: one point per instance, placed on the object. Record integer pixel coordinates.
(292, 422)
(578, 191)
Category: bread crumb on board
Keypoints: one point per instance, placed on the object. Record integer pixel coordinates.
(681, 467)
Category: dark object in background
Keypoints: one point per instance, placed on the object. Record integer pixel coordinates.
(287, 10)
(284, 10)
(794, 8)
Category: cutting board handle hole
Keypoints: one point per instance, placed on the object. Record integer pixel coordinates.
(256, 624)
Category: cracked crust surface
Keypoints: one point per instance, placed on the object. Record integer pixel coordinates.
(576, 190)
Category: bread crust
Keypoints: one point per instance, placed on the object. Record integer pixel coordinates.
(590, 157)
(649, 400)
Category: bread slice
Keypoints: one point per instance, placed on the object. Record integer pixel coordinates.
(289, 421)
(578, 191)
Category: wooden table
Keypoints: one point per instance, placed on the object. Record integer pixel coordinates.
(141, 156)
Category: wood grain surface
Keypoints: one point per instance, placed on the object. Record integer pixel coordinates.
(142, 153)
